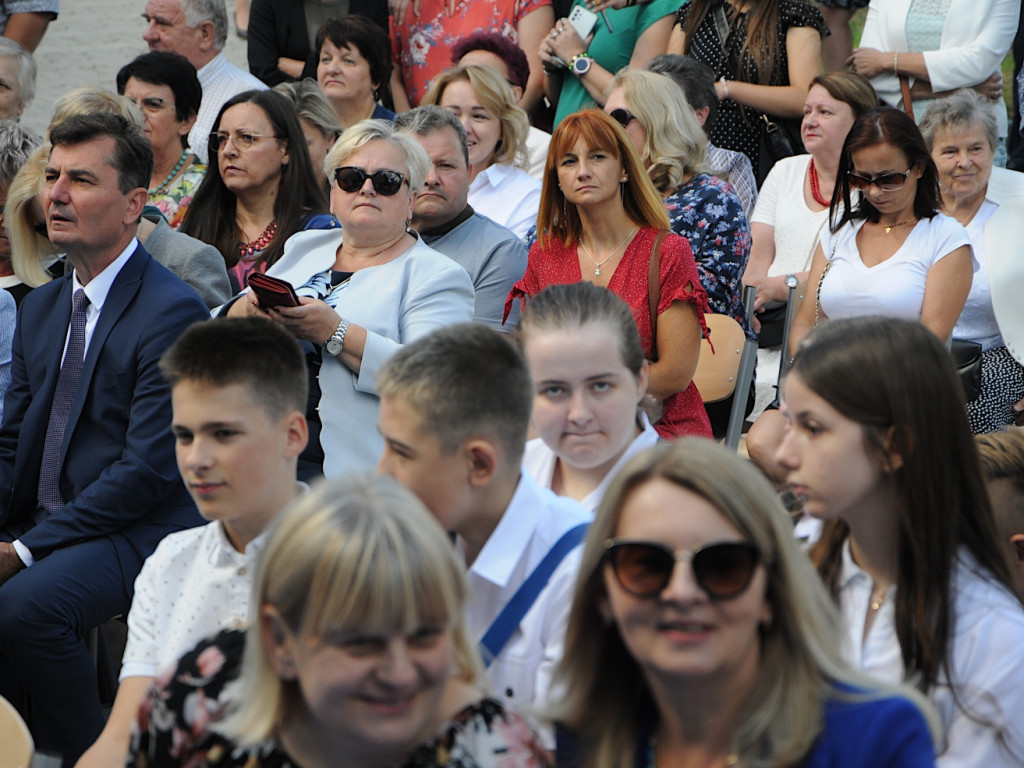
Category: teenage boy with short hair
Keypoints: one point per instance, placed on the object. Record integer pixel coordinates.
(238, 393)
(455, 407)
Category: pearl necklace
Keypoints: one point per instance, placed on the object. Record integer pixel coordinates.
(261, 242)
(812, 176)
(599, 264)
(171, 175)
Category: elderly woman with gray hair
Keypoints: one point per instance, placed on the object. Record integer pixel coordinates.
(367, 288)
(962, 136)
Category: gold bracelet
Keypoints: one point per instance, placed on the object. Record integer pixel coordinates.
(896, 63)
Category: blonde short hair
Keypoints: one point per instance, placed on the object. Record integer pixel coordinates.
(416, 159)
(356, 551)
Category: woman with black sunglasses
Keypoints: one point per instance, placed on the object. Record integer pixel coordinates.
(699, 635)
(366, 289)
(888, 251)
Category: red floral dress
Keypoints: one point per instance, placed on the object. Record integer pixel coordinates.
(682, 413)
(421, 46)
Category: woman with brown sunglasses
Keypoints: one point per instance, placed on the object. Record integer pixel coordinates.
(700, 635)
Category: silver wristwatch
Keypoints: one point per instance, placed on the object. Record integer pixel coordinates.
(791, 281)
(334, 344)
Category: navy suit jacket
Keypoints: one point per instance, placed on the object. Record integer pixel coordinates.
(118, 464)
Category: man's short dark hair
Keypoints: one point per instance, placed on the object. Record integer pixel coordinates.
(465, 380)
(696, 79)
(133, 155)
(424, 120)
(253, 352)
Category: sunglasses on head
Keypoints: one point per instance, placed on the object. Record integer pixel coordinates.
(622, 116)
(385, 182)
(644, 568)
(886, 182)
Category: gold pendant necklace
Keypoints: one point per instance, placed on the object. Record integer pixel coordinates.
(889, 228)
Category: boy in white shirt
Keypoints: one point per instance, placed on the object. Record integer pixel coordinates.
(455, 407)
(238, 393)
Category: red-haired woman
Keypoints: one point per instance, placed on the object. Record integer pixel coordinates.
(599, 220)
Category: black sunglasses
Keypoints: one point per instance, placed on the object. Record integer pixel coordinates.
(385, 182)
(644, 568)
(622, 116)
(886, 182)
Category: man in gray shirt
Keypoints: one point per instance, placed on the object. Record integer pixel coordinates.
(492, 254)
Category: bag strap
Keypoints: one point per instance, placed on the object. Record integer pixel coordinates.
(908, 101)
(821, 280)
(501, 629)
(654, 288)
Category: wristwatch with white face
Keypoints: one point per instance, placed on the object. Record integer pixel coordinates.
(580, 64)
(334, 344)
(791, 281)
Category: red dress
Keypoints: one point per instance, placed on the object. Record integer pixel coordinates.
(682, 413)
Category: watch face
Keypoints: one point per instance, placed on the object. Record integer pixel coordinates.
(581, 66)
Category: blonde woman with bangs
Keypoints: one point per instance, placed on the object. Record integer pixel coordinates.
(599, 221)
(358, 649)
(496, 130)
(701, 207)
(700, 635)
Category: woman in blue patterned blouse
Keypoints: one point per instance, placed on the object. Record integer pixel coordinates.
(702, 208)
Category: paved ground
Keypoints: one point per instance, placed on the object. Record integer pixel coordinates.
(88, 43)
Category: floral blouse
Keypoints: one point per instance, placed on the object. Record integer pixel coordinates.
(709, 214)
(173, 725)
(175, 201)
(421, 45)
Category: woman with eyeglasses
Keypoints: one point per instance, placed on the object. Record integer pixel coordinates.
(261, 190)
(878, 447)
(496, 130)
(366, 289)
(601, 220)
(890, 252)
(165, 88)
(699, 635)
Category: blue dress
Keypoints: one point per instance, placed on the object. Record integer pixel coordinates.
(888, 732)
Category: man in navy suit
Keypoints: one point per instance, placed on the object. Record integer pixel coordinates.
(88, 482)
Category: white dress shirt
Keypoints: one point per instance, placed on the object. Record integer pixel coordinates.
(987, 658)
(220, 80)
(193, 585)
(535, 519)
(507, 195)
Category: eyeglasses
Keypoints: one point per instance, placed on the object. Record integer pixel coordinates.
(385, 182)
(644, 568)
(622, 116)
(886, 182)
(151, 104)
(240, 139)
